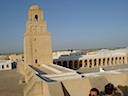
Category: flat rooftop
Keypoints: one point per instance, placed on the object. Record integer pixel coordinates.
(10, 83)
(106, 68)
(50, 73)
(51, 69)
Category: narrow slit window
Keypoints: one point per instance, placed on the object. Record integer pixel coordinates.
(7, 66)
(2, 66)
(36, 61)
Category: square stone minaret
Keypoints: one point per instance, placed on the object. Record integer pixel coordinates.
(37, 40)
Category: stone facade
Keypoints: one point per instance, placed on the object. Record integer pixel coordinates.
(5, 65)
(91, 61)
(37, 40)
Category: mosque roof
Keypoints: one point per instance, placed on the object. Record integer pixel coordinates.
(34, 7)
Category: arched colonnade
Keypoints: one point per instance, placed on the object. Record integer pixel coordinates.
(92, 62)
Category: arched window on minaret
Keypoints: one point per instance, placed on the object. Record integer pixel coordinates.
(36, 17)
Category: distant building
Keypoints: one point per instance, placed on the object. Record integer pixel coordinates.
(4, 57)
(7, 65)
(100, 58)
(58, 54)
(16, 57)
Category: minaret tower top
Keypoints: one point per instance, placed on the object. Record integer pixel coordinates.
(35, 13)
(35, 23)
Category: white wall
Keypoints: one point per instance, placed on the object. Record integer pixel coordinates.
(5, 65)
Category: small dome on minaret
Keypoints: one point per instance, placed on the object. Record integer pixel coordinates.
(34, 7)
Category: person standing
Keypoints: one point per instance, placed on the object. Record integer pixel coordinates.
(110, 90)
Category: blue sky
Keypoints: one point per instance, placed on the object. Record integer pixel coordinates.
(74, 24)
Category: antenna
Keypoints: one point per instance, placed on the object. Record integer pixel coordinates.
(35, 2)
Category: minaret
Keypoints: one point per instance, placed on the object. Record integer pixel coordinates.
(37, 40)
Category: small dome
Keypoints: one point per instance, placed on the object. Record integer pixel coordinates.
(34, 7)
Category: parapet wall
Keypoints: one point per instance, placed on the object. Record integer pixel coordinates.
(76, 87)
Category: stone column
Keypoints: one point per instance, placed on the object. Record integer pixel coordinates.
(118, 61)
(101, 62)
(83, 64)
(109, 61)
(105, 63)
(97, 62)
(93, 63)
(121, 60)
(88, 63)
(73, 64)
(67, 64)
(114, 60)
(125, 60)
